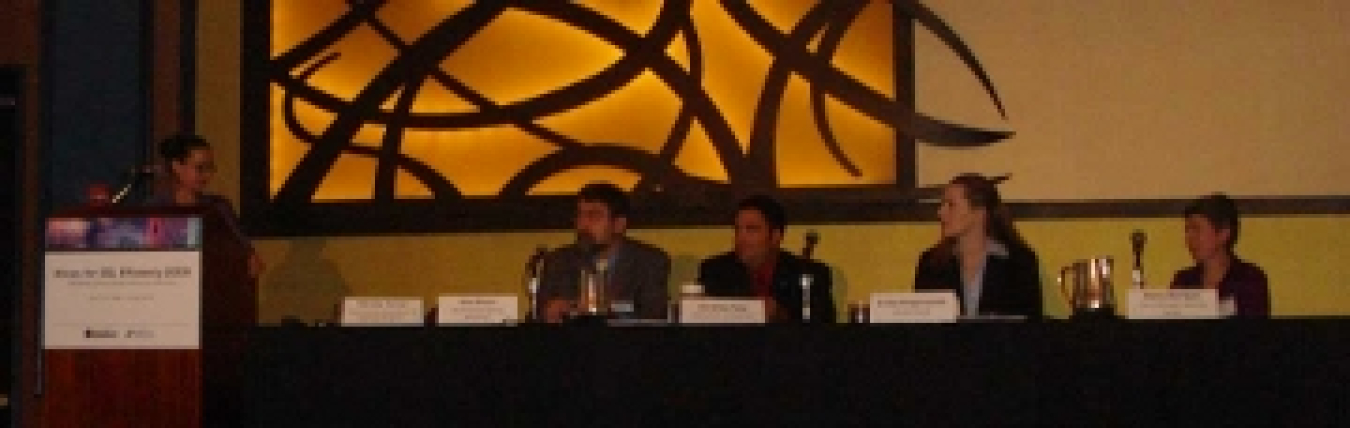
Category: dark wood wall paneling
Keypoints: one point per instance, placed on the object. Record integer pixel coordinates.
(102, 82)
(20, 39)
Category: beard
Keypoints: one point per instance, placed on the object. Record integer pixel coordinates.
(589, 243)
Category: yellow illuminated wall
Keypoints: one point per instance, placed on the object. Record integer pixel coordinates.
(1110, 99)
(536, 70)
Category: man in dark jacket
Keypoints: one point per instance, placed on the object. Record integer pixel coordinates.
(759, 268)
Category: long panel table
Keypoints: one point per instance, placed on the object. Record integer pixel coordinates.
(1206, 373)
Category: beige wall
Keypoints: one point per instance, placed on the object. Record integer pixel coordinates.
(1148, 98)
(1111, 99)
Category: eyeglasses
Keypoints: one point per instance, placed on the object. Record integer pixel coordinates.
(203, 168)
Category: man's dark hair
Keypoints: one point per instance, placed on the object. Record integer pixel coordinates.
(612, 196)
(1220, 211)
(768, 207)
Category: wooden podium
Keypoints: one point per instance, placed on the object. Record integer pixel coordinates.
(163, 387)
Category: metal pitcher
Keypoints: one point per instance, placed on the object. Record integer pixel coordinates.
(1086, 285)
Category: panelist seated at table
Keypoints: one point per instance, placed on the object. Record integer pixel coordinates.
(759, 268)
(1212, 225)
(636, 272)
(981, 257)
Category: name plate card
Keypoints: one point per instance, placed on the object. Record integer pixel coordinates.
(382, 311)
(1174, 304)
(722, 311)
(462, 309)
(923, 307)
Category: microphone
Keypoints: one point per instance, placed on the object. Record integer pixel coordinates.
(537, 259)
(807, 280)
(136, 177)
(1137, 240)
(812, 239)
(534, 269)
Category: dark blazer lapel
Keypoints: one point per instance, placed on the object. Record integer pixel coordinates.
(990, 283)
(996, 270)
(950, 276)
(787, 282)
(621, 266)
(741, 280)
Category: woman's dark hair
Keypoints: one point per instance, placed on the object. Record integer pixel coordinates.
(178, 147)
(982, 192)
(1221, 212)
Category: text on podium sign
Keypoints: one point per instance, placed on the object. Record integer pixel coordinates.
(1174, 304)
(458, 309)
(722, 311)
(923, 307)
(382, 311)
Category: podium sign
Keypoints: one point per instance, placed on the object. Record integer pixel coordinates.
(122, 300)
(122, 283)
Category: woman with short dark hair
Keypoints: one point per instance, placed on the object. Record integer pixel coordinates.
(1212, 226)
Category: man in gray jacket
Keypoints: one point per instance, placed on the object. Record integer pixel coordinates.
(636, 272)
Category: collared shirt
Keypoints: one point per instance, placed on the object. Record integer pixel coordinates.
(973, 287)
(763, 279)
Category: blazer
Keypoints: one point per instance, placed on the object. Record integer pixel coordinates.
(1244, 283)
(725, 276)
(218, 203)
(638, 274)
(1012, 282)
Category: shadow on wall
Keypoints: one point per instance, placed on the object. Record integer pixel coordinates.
(683, 270)
(306, 286)
(842, 297)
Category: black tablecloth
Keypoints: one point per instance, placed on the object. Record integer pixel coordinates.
(1210, 373)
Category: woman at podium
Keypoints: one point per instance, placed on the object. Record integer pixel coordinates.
(1212, 226)
(981, 257)
(187, 165)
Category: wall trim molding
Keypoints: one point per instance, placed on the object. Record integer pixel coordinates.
(553, 213)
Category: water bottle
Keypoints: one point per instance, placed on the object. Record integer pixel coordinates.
(692, 290)
(806, 297)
